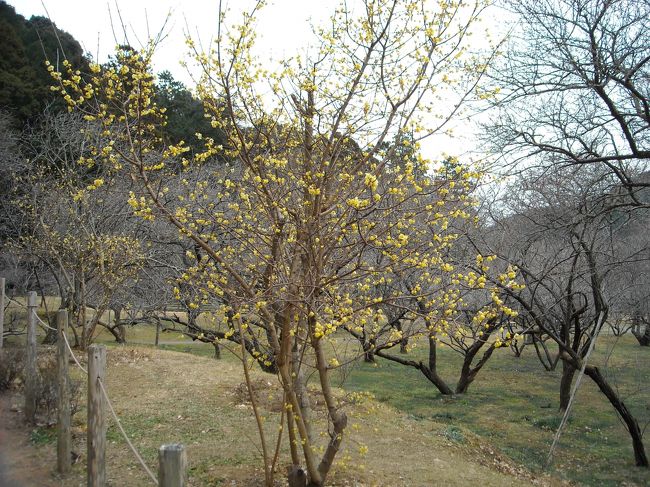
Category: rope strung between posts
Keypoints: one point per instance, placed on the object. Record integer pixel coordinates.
(74, 357)
(574, 391)
(35, 314)
(110, 405)
(67, 344)
(119, 425)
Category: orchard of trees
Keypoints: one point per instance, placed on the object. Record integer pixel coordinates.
(293, 210)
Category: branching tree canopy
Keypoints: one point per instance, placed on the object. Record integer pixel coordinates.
(92, 247)
(570, 130)
(312, 213)
(575, 88)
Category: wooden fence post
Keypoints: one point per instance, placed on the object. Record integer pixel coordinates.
(96, 439)
(64, 436)
(172, 466)
(31, 369)
(2, 311)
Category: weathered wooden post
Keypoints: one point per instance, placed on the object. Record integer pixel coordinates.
(96, 439)
(157, 342)
(31, 369)
(64, 436)
(2, 311)
(172, 466)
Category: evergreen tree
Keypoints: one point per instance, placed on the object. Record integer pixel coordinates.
(24, 47)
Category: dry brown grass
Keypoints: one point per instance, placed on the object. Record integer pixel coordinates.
(165, 397)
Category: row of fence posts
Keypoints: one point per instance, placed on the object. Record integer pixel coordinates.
(172, 460)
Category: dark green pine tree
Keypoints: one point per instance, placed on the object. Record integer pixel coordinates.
(185, 114)
(24, 47)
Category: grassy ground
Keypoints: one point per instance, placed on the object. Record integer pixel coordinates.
(508, 417)
(164, 396)
(513, 404)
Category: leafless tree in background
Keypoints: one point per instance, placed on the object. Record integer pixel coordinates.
(574, 89)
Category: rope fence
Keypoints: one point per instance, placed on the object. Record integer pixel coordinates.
(172, 454)
(126, 438)
(108, 402)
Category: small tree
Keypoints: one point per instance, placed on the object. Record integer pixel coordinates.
(86, 245)
(285, 236)
(449, 305)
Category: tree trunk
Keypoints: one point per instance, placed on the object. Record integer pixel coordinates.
(630, 421)
(568, 372)
(51, 335)
(466, 378)
(368, 350)
(296, 477)
(469, 373)
(437, 381)
(157, 340)
(217, 350)
(431, 372)
(86, 333)
(120, 336)
(300, 386)
(117, 332)
(641, 331)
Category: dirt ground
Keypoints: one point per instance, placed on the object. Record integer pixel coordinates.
(21, 464)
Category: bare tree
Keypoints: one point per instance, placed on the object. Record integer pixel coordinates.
(571, 124)
(568, 246)
(574, 89)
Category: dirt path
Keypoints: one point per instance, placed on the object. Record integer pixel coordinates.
(21, 464)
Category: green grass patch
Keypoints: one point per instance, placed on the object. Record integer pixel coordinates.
(514, 404)
(549, 423)
(454, 433)
(42, 436)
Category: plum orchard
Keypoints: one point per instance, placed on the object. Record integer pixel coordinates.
(324, 197)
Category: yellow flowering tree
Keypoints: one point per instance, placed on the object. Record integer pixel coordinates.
(291, 237)
(447, 296)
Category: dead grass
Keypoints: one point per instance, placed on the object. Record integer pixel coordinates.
(165, 397)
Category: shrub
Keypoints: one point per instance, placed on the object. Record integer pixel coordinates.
(48, 393)
(11, 367)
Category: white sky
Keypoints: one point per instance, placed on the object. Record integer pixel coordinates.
(283, 25)
(284, 28)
